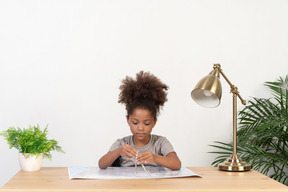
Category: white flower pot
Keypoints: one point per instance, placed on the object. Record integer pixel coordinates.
(32, 163)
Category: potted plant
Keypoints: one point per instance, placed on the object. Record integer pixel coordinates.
(263, 133)
(32, 144)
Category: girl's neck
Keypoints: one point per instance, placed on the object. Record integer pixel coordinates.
(141, 143)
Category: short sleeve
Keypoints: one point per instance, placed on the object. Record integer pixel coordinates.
(119, 143)
(166, 146)
(115, 145)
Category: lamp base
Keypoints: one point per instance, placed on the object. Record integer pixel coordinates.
(234, 163)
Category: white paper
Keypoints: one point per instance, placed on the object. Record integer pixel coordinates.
(127, 173)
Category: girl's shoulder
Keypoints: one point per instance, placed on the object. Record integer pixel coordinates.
(158, 138)
(125, 140)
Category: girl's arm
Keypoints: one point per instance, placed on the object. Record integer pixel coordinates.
(111, 156)
(108, 159)
(170, 161)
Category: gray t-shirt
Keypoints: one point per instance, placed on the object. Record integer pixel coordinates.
(157, 145)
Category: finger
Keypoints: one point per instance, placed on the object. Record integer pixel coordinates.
(130, 151)
(145, 158)
(125, 152)
(142, 159)
(130, 148)
(144, 155)
(139, 162)
(133, 152)
(128, 154)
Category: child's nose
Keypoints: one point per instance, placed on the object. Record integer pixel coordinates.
(140, 127)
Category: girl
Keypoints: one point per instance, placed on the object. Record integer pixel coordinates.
(143, 98)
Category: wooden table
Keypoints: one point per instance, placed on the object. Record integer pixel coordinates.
(56, 179)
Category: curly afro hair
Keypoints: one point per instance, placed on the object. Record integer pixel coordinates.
(146, 92)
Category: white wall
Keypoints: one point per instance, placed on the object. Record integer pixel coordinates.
(61, 63)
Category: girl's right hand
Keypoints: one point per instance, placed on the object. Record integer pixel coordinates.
(128, 151)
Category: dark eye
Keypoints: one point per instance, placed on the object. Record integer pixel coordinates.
(134, 123)
(147, 124)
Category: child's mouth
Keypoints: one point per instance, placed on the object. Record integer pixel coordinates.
(140, 134)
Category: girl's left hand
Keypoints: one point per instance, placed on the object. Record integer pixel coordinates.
(146, 157)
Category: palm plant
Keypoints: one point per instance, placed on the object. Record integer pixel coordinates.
(262, 137)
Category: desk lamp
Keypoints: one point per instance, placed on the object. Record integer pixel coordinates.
(207, 93)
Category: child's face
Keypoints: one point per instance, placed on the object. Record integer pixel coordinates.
(141, 123)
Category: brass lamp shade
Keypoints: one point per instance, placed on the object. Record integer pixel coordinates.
(208, 90)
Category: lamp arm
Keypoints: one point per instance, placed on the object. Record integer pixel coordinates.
(233, 89)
